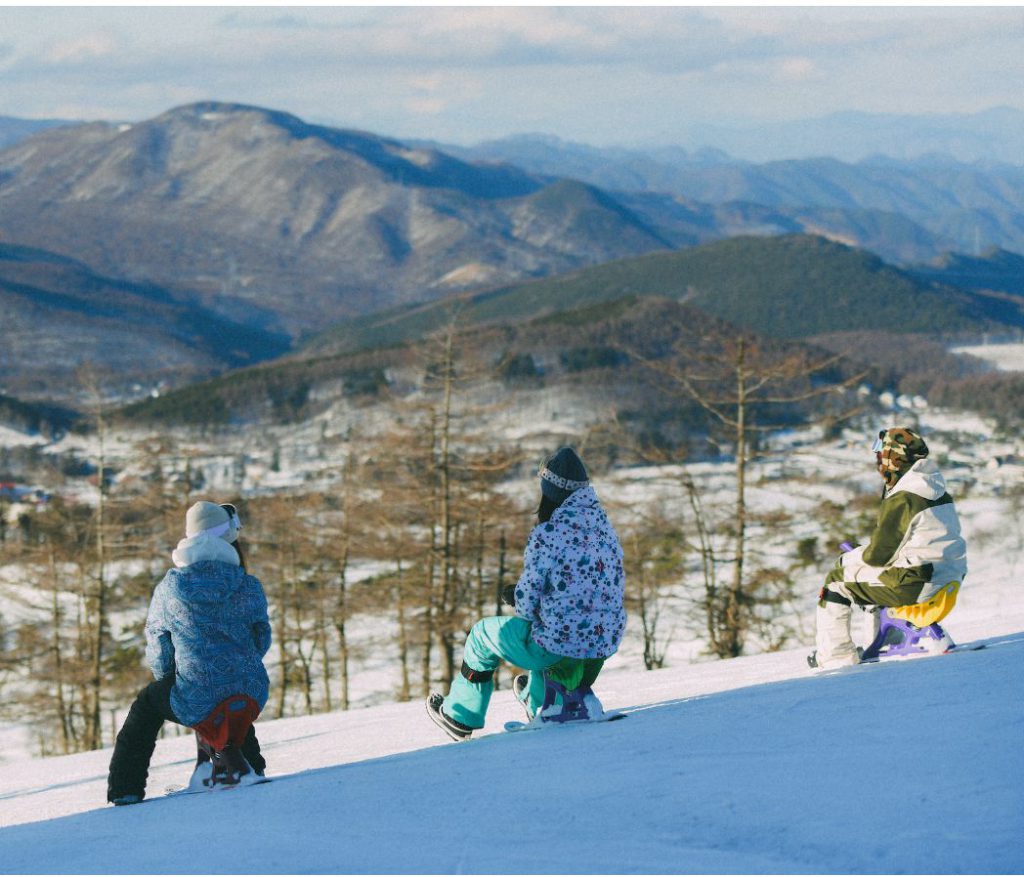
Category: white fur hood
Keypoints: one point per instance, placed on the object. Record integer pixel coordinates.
(203, 547)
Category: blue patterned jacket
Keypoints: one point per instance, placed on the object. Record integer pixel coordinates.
(208, 625)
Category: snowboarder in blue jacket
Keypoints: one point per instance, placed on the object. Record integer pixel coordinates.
(206, 634)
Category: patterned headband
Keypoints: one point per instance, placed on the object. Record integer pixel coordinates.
(561, 482)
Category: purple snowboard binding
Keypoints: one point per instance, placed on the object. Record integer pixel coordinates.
(574, 708)
(578, 705)
(898, 638)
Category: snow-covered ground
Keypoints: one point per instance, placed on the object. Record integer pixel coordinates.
(1005, 357)
(746, 766)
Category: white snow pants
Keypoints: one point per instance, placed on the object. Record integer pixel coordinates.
(832, 638)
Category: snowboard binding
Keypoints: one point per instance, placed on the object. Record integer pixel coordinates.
(577, 705)
(219, 737)
(898, 637)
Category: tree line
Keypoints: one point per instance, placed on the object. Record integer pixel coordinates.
(414, 541)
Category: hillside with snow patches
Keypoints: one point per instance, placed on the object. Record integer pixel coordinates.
(752, 765)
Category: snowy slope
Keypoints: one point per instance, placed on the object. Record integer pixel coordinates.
(746, 766)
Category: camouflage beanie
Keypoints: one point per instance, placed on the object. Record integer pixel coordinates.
(896, 450)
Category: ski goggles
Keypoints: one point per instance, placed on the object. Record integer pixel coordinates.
(879, 443)
(233, 519)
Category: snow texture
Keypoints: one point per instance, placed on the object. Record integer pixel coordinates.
(752, 765)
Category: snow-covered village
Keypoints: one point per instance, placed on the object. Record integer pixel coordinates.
(410, 467)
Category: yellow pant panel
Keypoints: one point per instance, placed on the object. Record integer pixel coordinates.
(931, 611)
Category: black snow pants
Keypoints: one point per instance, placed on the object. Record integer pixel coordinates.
(129, 765)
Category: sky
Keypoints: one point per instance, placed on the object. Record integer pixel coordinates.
(604, 75)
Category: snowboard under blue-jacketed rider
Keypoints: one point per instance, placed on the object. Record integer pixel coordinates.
(568, 600)
(207, 631)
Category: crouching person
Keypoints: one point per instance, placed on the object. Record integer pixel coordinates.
(569, 614)
(913, 564)
(206, 634)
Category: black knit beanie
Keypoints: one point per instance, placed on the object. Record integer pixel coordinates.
(562, 475)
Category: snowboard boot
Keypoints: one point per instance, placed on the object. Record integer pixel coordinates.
(812, 659)
(221, 767)
(202, 774)
(521, 690)
(833, 646)
(593, 705)
(455, 730)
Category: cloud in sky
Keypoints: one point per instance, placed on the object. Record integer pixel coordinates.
(601, 74)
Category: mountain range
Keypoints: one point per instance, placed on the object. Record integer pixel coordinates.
(59, 314)
(577, 337)
(281, 224)
(992, 135)
(904, 210)
(13, 129)
(218, 235)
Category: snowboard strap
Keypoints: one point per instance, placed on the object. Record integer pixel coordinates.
(476, 676)
(827, 596)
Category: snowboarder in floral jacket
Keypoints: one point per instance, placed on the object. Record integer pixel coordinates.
(915, 551)
(206, 634)
(568, 602)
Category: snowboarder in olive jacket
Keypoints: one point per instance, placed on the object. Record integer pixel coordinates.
(916, 548)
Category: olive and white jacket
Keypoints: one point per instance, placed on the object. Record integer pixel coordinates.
(573, 583)
(917, 538)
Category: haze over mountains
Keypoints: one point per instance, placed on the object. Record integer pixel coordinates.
(992, 135)
(906, 211)
(217, 235)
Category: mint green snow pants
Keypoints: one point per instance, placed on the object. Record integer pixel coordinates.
(491, 641)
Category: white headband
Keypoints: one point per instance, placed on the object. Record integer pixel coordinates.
(219, 530)
(561, 482)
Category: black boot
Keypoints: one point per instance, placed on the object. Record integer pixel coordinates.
(252, 753)
(520, 684)
(455, 730)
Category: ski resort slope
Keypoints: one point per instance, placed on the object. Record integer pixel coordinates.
(752, 765)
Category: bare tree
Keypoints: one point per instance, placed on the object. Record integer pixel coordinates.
(98, 597)
(743, 387)
(655, 553)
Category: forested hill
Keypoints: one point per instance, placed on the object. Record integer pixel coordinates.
(793, 286)
(573, 332)
(996, 269)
